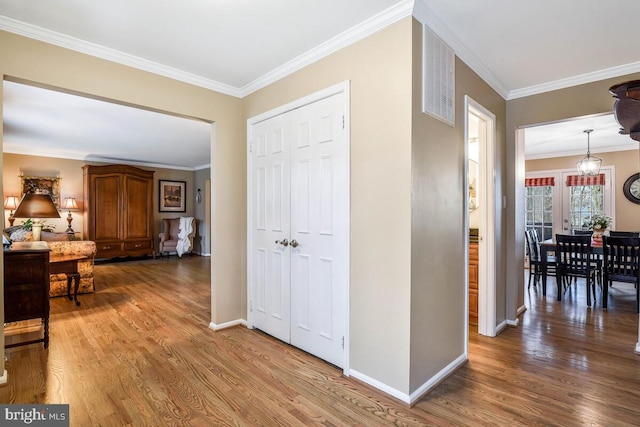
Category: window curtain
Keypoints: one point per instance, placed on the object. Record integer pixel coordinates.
(539, 182)
(579, 180)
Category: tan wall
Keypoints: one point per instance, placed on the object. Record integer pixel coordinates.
(378, 68)
(28, 60)
(577, 101)
(438, 236)
(626, 164)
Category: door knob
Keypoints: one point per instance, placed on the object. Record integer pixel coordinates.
(294, 244)
(283, 242)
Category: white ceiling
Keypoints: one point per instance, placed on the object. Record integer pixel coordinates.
(237, 47)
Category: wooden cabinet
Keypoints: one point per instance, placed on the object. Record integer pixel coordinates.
(118, 208)
(26, 286)
(473, 283)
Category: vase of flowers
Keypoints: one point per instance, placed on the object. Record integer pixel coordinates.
(599, 224)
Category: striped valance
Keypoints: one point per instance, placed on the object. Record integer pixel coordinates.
(580, 180)
(539, 182)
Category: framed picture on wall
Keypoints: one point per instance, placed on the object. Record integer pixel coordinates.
(173, 196)
(43, 185)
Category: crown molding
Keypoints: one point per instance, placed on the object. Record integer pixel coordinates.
(549, 155)
(364, 29)
(72, 43)
(425, 15)
(75, 156)
(594, 76)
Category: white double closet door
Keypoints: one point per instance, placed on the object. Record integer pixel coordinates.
(298, 229)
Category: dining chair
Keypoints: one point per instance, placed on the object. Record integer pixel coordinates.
(533, 247)
(595, 258)
(621, 264)
(574, 259)
(614, 233)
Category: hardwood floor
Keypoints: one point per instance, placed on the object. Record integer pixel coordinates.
(138, 352)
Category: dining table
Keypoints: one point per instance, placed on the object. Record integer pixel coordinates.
(550, 246)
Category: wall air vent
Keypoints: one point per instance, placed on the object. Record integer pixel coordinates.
(438, 78)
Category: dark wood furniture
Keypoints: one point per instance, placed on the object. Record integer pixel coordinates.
(627, 107)
(621, 264)
(535, 260)
(573, 259)
(26, 286)
(118, 209)
(473, 283)
(68, 264)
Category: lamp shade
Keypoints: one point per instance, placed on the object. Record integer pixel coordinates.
(36, 206)
(11, 202)
(70, 204)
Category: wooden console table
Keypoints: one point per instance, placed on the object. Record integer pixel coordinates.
(67, 264)
(26, 286)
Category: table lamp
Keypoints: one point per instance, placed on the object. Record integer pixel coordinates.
(70, 205)
(11, 203)
(36, 206)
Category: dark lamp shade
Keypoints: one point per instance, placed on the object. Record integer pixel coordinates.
(36, 206)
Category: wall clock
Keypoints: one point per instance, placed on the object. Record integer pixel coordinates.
(631, 188)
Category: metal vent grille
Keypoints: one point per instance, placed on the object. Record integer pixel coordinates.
(438, 85)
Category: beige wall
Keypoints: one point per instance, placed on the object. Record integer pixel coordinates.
(379, 71)
(627, 163)
(28, 60)
(576, 101)
(438, 236)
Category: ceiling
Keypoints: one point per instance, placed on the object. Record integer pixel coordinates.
(576, 41)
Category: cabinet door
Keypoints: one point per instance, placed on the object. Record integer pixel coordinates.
(137, 207)
(106, 215)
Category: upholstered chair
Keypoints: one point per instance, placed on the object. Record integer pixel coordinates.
(173, 239)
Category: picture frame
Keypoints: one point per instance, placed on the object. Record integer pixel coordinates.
(43, 185)
(172, 196)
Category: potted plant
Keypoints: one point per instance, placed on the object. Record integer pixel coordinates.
(598, 223)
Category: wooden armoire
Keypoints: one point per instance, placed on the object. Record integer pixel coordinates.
(118, 210)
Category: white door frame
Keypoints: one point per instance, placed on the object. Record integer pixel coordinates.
(487, 202)
(343, 88)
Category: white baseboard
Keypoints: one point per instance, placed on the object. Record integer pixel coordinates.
(521, 310)
(512, 323)
(379, 385)
(421, 391)
(502, 325)
(226, 325)
(637, 349)
(3, 378)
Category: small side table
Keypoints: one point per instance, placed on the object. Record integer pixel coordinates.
(67, 264)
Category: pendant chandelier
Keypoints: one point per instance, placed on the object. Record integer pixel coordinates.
(589, 166)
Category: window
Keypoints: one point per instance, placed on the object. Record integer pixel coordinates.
(584, 201)
(539, 210)
(586, 198)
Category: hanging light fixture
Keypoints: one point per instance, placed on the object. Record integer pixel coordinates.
(589, 166)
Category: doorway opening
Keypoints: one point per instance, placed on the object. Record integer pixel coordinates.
(480, 136)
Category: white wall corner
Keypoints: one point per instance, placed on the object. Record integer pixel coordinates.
(3, 378)
(437, 378)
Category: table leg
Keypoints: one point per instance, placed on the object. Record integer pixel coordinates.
(75, 277)
(543, 268)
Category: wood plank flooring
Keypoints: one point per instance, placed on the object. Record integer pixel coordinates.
(138, 352)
